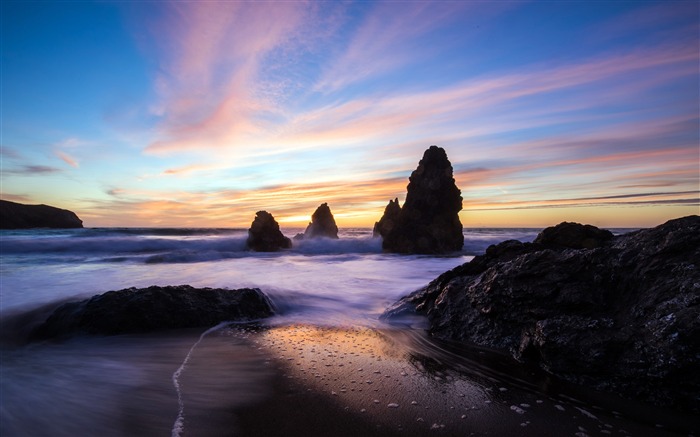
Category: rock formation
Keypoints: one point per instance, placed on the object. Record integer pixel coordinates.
(264, 234)
(18, 216)
(621, 316)
(152, 309)
(428, 221)
(573, 236)
(322, 224)
(389, 219)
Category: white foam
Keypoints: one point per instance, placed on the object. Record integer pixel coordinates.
(179, 425)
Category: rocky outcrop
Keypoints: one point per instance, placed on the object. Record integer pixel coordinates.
(621, 316)
(573, 236)
(389, 219)
(428, 221)
(152, 309)
(18, 216)
(322, 224)
(264, 234)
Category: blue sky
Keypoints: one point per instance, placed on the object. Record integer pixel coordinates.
(202, 113)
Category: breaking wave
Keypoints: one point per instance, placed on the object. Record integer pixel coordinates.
(187, 245)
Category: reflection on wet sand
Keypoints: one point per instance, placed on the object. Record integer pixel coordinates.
(396, 381)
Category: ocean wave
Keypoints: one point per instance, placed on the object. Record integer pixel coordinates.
(119, 245)
(158, 249)
(188, 245)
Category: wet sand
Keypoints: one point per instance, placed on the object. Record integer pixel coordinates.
(364, 382)
(301, 380)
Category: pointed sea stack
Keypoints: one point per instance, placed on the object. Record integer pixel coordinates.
(429, 219)
(322, 224)
(264, 234)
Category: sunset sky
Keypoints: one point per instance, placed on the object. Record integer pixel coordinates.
(202, 113)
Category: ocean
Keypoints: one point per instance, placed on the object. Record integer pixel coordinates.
(190, 382)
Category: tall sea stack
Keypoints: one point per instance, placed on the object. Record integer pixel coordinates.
(428, 222)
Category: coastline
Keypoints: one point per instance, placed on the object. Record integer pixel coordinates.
(349, 381)
(295, 374)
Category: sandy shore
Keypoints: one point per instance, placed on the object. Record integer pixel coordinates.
(301, 380)
(364, 382)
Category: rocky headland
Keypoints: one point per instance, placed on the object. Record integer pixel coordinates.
(616, 313)
(264, 234)
(428, 222)
(133, 310)
(19, 216)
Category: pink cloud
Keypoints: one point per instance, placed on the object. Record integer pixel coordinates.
(212, 55)
(68, 159)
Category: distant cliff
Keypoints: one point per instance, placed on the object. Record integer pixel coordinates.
(18, 216)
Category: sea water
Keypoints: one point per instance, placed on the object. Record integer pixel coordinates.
(131, 385)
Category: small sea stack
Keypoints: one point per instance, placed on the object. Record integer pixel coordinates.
(264, 234)
(428, 222)
(322, 224)
(19, 216)
(391, 216)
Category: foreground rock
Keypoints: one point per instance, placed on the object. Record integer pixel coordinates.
(18, 216)
(428, 222)
(264, 234)
(152, 309)
(322, 224)
(622, 316)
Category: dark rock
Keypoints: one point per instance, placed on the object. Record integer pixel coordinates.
(264, 234)
(322, 224)
(574, 236)
(18, 216)
(391, 216)
(154, 308)
(621, 317)
(429, 219)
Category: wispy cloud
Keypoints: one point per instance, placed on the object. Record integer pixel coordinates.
(20, 198)
(389, 38)
(8, 152)
(68, 159)
(32, 170)
(213, 55)
(683, 198)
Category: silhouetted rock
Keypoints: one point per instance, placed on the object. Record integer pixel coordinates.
(389, 219)
(429, 219)
(152, 309)
(18, 216)
(322, 224)
(573, 236)
(264, 234)
(621, 317)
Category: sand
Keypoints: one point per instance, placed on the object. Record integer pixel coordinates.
(332, 381)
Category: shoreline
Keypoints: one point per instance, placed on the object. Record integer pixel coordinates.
(304, 379)
(360, 381)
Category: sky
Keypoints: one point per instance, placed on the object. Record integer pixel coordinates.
(200, 114)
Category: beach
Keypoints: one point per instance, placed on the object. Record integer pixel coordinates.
(323, 365)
